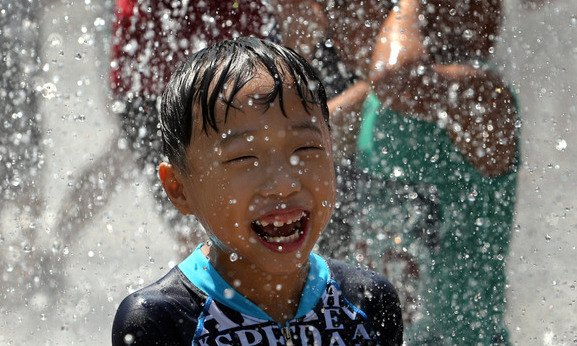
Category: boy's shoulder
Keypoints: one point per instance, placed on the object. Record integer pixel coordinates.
(165, 310)
(372, 293)
(356, 279)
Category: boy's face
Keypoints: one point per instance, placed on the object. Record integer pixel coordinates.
(264, 185)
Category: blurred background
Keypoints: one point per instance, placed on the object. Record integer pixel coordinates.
(126, 246)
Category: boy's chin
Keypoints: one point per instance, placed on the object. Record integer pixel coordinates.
(286, 266)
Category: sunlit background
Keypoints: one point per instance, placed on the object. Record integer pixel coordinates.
(126, 246)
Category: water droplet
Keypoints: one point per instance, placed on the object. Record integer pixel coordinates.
(294, 160)
(98, 22)
(228, 293)
(27, 248)
(90, 253)
(249, 138)
(232, 201)
(561, 145)
(49, 91)
(547, 237)
(16, 181)
(421, 69)
(128, 339)
(233, 257)
(278, 287)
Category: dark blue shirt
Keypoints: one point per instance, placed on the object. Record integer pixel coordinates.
(194, 305)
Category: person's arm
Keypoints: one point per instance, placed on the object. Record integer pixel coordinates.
(474, 105)
(140, 321)
(394, 41)
(399, 42)
(344, 112)
(354, 26)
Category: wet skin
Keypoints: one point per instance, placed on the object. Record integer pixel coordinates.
(263, 186)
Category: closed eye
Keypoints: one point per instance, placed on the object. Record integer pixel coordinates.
(310, 147)
(241, 159)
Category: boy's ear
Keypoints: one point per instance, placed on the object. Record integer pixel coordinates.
(174, 188)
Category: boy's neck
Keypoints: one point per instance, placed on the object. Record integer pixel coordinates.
(277, 295)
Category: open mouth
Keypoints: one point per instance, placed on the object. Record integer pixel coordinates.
(281, 230)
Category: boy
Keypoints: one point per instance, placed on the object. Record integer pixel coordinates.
(245, 129)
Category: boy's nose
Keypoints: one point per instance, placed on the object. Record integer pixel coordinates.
(281, 181)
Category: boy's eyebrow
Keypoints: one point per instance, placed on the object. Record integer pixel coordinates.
(308, 125)
(235, 135)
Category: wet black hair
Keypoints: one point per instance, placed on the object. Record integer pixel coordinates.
(198, 84)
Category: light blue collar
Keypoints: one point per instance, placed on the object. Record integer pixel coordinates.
(202, 274)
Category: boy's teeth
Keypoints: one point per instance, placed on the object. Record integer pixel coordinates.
(280, 223)
(282, 240)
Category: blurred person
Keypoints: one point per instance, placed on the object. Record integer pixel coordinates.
(438, 145)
